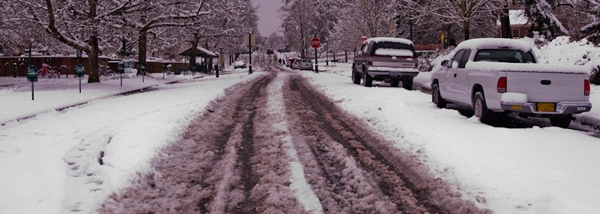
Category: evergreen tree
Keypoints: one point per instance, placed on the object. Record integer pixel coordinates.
(592, 30)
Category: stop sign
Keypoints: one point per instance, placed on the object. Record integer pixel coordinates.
(315, 42)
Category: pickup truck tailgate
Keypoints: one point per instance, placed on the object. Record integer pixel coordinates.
(547, 86)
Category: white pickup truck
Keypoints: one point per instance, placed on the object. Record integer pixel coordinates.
(488, 77)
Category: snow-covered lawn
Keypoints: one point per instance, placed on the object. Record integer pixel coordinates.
(70, 162)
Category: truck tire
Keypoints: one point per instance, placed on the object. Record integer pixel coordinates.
(394, 83)
(436, 97)
(368, 80)
(407, 84)
(480, 108)
(562, 122)
(355, 77)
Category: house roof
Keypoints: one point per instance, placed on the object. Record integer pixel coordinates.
(517, 17)
(201, 52)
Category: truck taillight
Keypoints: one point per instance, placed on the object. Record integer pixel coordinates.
(501, 86)
(586, 87)
(370, 63)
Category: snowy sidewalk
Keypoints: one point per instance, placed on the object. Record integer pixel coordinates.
(16, 95)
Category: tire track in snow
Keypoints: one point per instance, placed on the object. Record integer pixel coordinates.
(228, 161)
(357, 171)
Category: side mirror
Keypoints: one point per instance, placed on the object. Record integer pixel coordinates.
(446, 63)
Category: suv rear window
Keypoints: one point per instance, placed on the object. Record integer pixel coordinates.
(393, 49)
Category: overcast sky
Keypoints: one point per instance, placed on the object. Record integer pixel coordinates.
(268, 16)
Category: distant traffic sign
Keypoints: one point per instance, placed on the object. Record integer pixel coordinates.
(315, 42)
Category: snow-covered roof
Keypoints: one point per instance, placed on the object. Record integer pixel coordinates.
(483, 43)
(202, 52)
(517, 17)
(390, 39)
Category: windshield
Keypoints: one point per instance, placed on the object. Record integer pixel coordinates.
(504, 55)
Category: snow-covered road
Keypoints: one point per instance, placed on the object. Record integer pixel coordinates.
(276, 145)
(71, 161)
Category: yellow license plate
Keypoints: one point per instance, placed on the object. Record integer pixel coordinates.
(546, 107)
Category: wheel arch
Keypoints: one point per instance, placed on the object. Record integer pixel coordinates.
(476, 88)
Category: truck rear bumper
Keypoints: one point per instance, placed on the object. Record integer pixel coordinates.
(392, 72)
(561, 108)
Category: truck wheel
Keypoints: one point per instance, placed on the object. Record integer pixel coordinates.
(480, 108)
(394, 83)
(562, 122)
(368, 80)
(436, 97)
(407, 84)
(355, 77)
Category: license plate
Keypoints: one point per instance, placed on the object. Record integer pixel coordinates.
(394, 74)
(546, 107)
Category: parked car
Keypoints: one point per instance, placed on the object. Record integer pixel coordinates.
(239, 64)
(305, 64)
(291, 62)
(385, 59)
(489, 77)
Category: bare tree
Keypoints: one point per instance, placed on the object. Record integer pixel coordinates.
(592, 30)
(76, 24)
(469, 15)
(151, 15)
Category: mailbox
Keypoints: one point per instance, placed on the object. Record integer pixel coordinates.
(143, 69)
(79, 71)
(164, 66)
(121, 68)
(32, 75)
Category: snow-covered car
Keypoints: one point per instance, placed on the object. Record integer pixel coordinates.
(385, 59)
(303, 64)
(292, 61)
(239, 64)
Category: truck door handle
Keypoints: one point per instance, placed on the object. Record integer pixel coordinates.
(454, 75)
(546, 82)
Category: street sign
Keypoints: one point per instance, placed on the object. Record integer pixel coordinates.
(315, 42)
(250, 39)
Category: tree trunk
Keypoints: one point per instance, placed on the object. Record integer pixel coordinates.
(93, 61)
(466, 30)
(193, 54)
(505, 22)
(142, 46)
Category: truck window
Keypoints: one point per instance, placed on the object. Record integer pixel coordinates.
(463, 61)
(504, 55)
(457, 58)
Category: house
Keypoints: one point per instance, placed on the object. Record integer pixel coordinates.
(519, 26)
